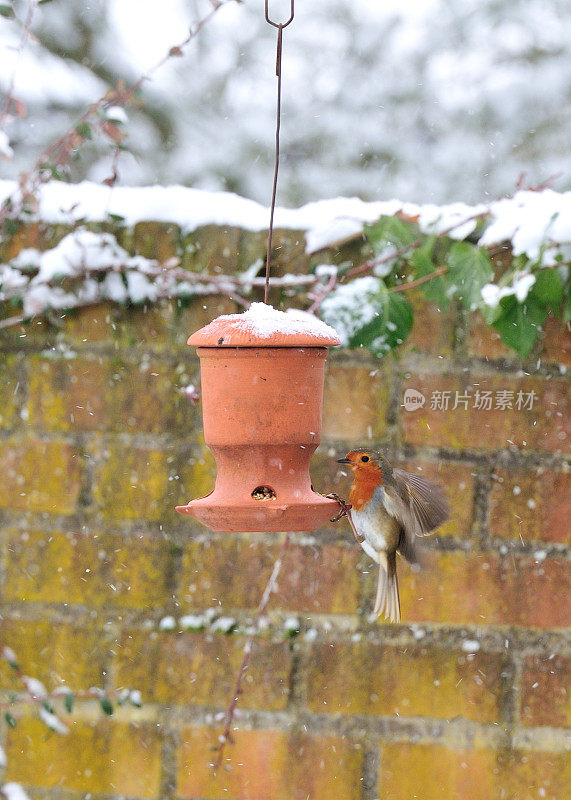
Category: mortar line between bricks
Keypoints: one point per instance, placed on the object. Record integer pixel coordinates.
(371, 771)
(328, 627)
(456, 732)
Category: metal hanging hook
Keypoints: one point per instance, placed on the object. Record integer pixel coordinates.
(278, 24)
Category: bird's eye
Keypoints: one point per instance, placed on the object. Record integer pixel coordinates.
(365, 459)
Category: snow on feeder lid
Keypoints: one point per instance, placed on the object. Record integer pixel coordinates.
(264, 326)
(262, 395)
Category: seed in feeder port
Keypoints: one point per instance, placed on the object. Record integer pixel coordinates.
(263, 493)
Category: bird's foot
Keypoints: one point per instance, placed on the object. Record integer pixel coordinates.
(342, 505)
(345, 509)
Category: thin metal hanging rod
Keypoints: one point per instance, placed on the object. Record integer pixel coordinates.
(280, 27)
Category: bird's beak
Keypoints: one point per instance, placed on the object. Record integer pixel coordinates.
(343, 461)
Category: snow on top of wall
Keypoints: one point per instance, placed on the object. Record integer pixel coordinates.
(531, 220)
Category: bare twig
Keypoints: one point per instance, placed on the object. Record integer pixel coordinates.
(65, 145)
(225, 736)
(404, 287)
(319, 295)
(9, 99)
(10, 322)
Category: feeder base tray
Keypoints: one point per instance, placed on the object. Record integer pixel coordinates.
(260, 515)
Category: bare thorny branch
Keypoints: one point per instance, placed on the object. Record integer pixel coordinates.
(9, 100)
(168, 274)
(226, 735)
(62, 149)
(34, 693)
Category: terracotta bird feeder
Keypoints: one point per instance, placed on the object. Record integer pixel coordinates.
(262, 395)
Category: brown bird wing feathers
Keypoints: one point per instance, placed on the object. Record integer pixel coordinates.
(419, 506)
(428, 505)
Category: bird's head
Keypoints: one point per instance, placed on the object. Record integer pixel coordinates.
(367, 464)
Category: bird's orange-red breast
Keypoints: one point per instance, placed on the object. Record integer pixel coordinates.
(390, 509)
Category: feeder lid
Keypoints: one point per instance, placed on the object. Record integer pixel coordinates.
(264, 326)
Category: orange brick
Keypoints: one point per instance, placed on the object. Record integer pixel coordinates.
(269, 764)
(26, 236)
(9, 390)
(365, 678)
(432, 329)
(133, 483)
(544, 427)
(94, 394)
(556, 341)
(202, 668)
(134, 327)
(52, 567)
(91, 324)
(195, 314)
(461, 588)
(212, 249)
(104, 758)
(544, 694)
(457, 482)
(39, 476)
(485, 342)
(136, 571)
(157, 240)
(233, 571)
(531, 506)
(433, 772)
(355, 402)
(89, 568)
(66, 394)
(55, 653)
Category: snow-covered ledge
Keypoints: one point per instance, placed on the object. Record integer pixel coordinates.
(86, 267)
(527, 220)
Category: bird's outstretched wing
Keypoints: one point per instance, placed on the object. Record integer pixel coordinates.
(427, 505)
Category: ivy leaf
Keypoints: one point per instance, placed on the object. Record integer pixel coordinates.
(389, 327)
(422, 262)
(469, 269)
(400, 319)
(68, 701)
(390, 231)
(548, 288)
(106, 705)
(83, 129)
(519, 323)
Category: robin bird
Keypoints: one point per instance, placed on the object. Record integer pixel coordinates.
(388, 510)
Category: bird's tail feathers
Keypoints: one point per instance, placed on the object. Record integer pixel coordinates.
(387, 598)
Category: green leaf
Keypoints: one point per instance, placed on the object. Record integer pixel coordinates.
(390, 231)
(68, 701)
(6, 11)
(422, 262)
(519, 323)
(389, 327)
(548, 288)
(10, 721)
(106, 705)
(84, 130)
(469, 269)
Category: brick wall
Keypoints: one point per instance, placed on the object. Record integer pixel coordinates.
(466, 699)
